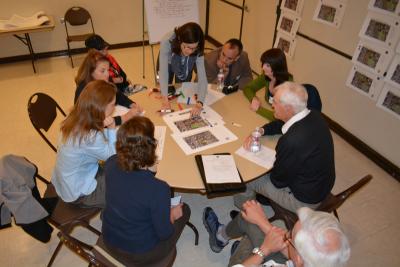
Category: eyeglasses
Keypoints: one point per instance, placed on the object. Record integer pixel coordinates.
(191, 48)
(288, 237)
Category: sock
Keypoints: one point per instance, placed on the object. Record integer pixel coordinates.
(221, 235)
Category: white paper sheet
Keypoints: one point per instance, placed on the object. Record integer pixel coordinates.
(203, 138)
(264, 158)
(159, 134)
(220, 169)
(189, 89)
(181, 122)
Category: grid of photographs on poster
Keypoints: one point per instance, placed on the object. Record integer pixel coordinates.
(330, 12)
(373, 57)
(292, 6)
(289, 23)
(389, 100)
(387, 7)
(381, 29)
(393, 73)
(286, 43)
(365, 82)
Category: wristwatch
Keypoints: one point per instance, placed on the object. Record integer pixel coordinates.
(258, 251)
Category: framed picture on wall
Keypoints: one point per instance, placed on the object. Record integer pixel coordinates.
(373, 57)
(393, 73)
(388, 7)
(389, 100)
(365, 82)
(381, 29)
(289, 23)
(330, 12)
(286, 43)
(293, 6)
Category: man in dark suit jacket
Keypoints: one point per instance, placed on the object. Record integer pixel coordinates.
(304, 170)
(232, 60)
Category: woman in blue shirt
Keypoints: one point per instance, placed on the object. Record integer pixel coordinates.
(139, 225)
(84, 141)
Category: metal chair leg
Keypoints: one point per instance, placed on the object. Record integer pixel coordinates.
(196, 233)
(53, 257)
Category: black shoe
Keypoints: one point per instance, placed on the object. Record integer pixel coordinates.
(234, 246)
(233, 214)
(263, 200)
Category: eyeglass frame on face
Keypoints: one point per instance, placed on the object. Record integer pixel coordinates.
(186, 47)
(289, 237)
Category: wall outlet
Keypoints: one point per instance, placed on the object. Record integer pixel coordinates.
(62, 20)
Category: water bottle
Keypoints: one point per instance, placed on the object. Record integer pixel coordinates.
(220, 78)
(255, 145)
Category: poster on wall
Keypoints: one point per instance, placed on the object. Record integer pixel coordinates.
(330, 12)
(389, 100)
(289, 23)
(292, 6)
(381, 29)
(286, 43)
(372, 56)
(365, 82)
(387, 7)
(393, 73)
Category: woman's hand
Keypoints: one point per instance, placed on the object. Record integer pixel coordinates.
(176, 212)
(109, 122)
(196, 109)
(255, 104)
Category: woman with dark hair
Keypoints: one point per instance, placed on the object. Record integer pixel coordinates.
(275, 72)
(77, 177)
(139, 225)
(95, 66)
(180, 51)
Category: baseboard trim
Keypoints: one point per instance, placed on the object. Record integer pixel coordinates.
(74, 51)
(370, 153)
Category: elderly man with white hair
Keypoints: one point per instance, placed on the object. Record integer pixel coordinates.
(316, 240)
(304, 170)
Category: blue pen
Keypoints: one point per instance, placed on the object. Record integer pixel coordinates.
(188, 101)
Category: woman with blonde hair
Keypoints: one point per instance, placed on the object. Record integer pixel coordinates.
(95, 67)
(139, 225)
(88, 136)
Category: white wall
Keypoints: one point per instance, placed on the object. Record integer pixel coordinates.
(117, 21)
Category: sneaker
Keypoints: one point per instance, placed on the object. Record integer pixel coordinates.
(234, 246)
(210, 221)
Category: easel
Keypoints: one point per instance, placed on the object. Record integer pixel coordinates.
(143, 50)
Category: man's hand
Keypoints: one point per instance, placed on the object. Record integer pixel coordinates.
(176, 212)
(247, 142)
(254, 213)
(109, 122)
(224, 67)
(255, 104)
(274, 241)
(117, 79)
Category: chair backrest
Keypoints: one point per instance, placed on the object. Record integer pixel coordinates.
(42, 110)
(314, 100)
(333, 202)
(76, 16)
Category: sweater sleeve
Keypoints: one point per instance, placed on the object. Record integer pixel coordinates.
(286, 162)
(273, 127)
(266, 113)
(251, 88)
(123, 100)
(201, 73)
(211, 66)
(160, 213)
(165, 52)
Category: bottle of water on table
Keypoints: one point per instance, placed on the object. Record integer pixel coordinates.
(255, 145)
(220, 78)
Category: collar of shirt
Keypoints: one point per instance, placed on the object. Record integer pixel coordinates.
(299, 116)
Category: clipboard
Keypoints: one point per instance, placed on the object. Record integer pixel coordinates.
(214, 190)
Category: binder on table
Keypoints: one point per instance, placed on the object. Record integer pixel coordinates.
(215, 189)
